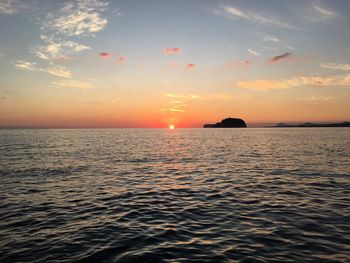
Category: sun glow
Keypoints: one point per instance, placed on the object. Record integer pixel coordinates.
(171, 127)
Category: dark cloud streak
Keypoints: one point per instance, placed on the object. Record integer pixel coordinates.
(278, 58)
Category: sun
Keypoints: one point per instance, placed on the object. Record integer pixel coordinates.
(171, 127)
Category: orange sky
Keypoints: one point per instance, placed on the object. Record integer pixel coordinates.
(145, 66)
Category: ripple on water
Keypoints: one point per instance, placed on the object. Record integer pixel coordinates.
(192, 195)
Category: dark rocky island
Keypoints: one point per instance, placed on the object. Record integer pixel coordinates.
(311, 125)
(227, 123)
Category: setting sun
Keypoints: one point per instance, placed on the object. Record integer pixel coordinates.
(171, 127)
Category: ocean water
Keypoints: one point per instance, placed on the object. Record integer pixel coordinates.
(187, 195)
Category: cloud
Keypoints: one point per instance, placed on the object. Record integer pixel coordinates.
(232, 12)
(323, 11)
(177, 103)
(318, 12)
(11, 7)
(58, 50)
(271, 39)
(190, 66)
(122, 59)
(174, 50)
(72, 19)
(263, 84)
(253, 52)
(334, 66)
(105, 55)
(70, 83)
(81, 17)
(21, 64)
(278, 58)
(183, 96)
(172, 109)
(58, 71)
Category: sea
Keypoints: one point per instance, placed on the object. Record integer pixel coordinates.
(182, 195)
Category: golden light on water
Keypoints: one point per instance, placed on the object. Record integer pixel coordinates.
(171, 127)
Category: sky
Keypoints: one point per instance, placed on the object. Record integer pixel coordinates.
(152, 63)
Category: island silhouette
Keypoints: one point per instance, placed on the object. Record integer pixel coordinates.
(228, 123)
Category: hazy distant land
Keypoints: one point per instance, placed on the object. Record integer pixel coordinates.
(311, 125)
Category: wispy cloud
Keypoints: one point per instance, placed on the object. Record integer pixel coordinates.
(179, 102)
(318, 12)
(21, 64)
(233, 12)
(271, 39)
(253, 52)
(10, 7)
(263, 84)
(58, 50)
(81, 17)
(183, 96)
(279, 58)
(105, 55)
(70, 83)
(173, 109)
(335, 66)
(58, 71)
(173, 50)
(324, 11)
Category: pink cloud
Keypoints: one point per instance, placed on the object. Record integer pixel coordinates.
(105, 55)
(122, 59)
(278, 58)
(190, 66)
(172, 50)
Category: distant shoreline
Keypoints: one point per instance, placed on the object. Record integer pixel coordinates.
(312, 125)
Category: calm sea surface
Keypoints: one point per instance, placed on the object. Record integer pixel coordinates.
(187, 195)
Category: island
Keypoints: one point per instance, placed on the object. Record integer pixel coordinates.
(228, 123)
(311, 125)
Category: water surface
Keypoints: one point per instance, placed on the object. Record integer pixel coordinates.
(187, 195)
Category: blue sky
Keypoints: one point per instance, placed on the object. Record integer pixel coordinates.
(108, 63)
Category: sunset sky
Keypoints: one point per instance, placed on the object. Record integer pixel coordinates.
(149, 63)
